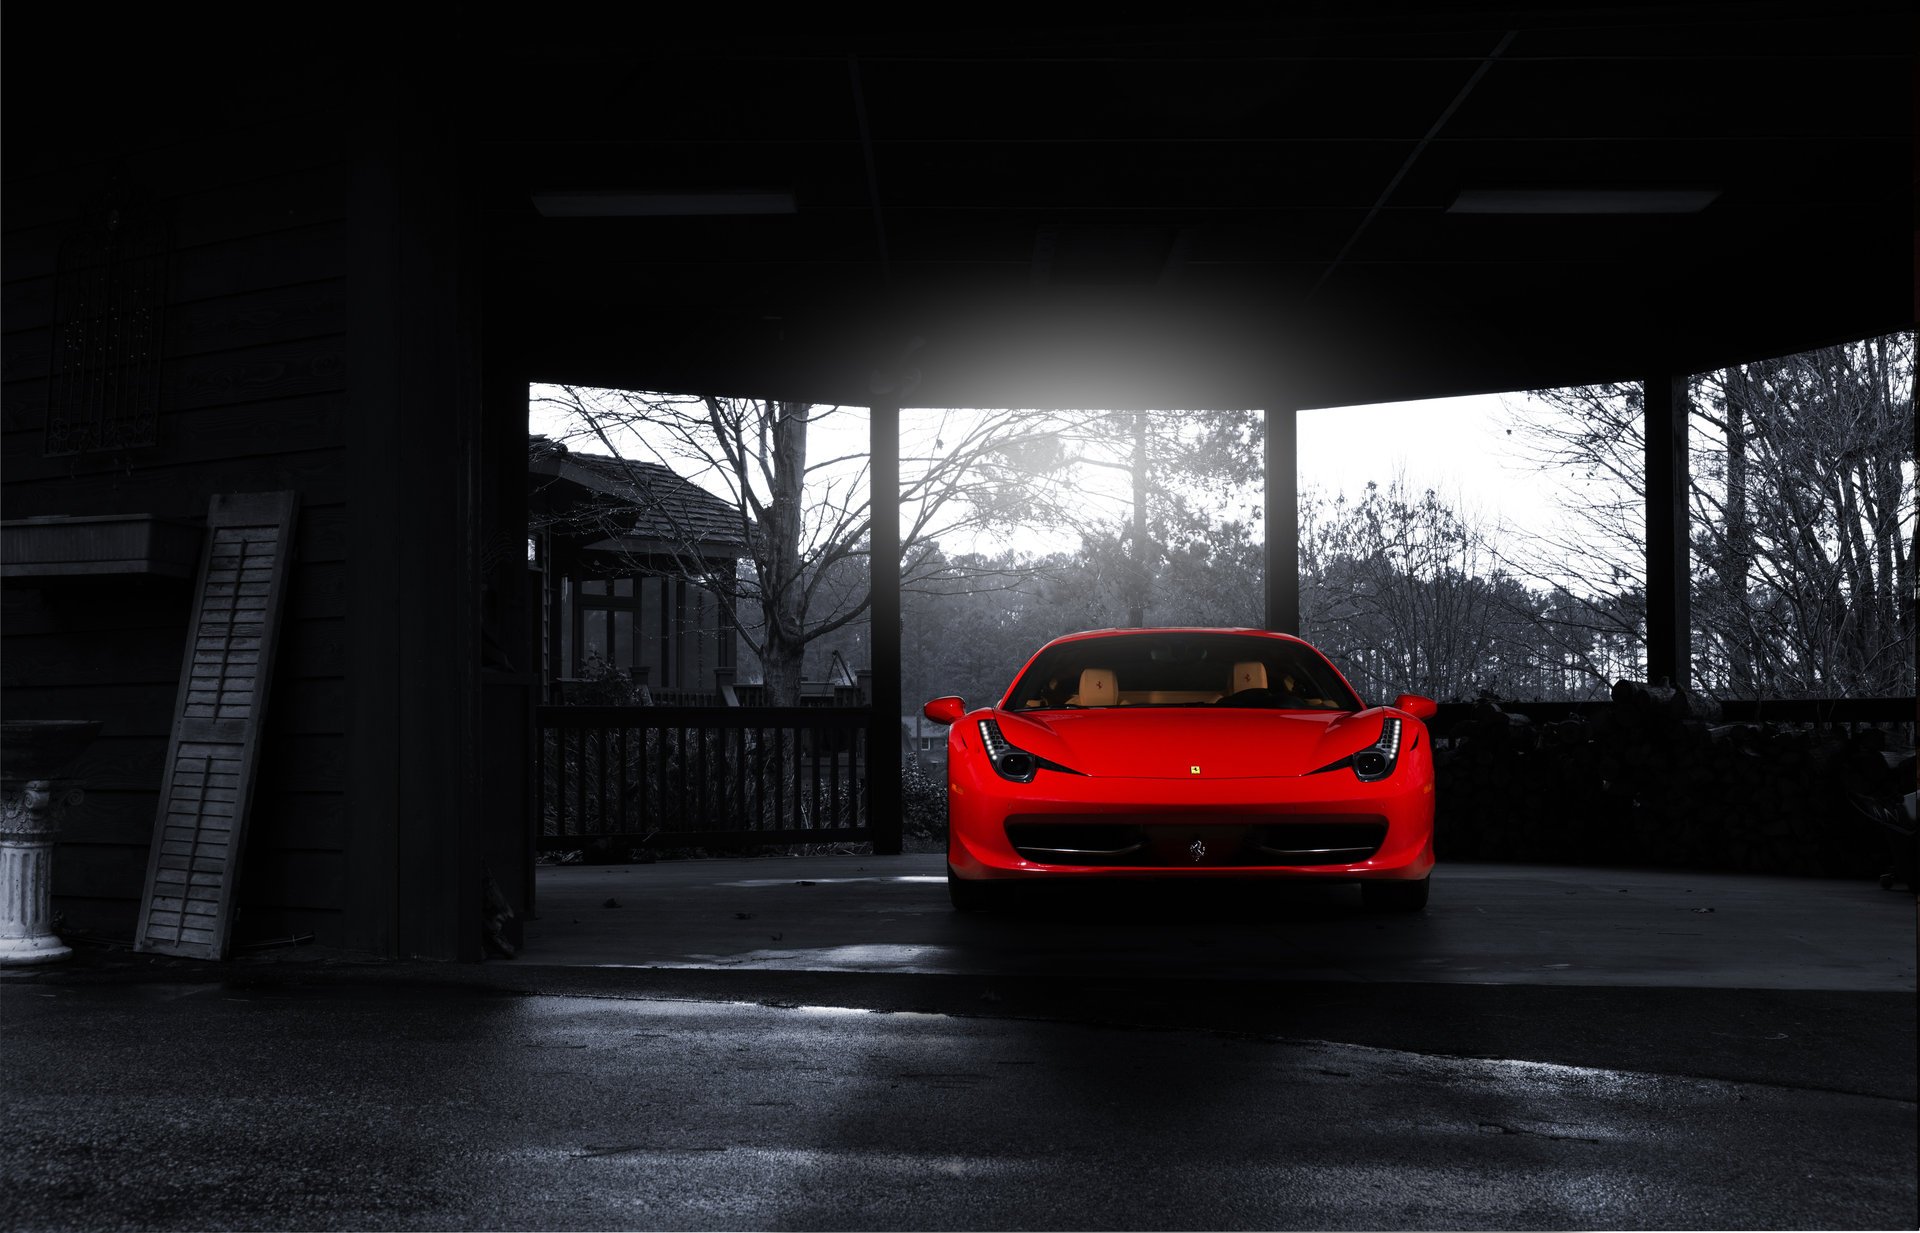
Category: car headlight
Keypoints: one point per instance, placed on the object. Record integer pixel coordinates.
(1377, 760)
(1009, 760)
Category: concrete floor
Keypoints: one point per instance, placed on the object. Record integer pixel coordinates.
(820, 1043)
(420, 1106)
(1486, 924)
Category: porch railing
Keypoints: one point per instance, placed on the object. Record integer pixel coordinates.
(1811, 712)
(670, 776)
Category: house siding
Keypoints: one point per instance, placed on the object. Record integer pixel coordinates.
(253, 398)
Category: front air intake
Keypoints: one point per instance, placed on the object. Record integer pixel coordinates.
(1318, 843)
(1078, 843)
(1159, 841)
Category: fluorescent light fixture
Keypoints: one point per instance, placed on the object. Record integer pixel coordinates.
(662, 203)
(1582, 200)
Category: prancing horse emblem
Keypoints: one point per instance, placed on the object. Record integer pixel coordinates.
(1198, 848)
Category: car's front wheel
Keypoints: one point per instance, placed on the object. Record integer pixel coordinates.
(969, 896)
(1394, 896)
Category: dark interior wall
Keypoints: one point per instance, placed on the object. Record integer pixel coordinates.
(254, 398)
(323, 335)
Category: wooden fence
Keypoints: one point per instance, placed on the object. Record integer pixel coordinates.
(671, 776)
(1813, 712)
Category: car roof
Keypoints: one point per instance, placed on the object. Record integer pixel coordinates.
(1088, 635)
(1175, 629)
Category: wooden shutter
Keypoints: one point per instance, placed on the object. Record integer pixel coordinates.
(215, 751)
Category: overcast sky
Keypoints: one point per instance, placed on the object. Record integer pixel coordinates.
(1461, 447)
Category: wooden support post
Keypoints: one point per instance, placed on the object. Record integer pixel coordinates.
(509, 676)
(373, 652)
(412, 643)
(1669, 617)
(883, 729)
(1283, 520)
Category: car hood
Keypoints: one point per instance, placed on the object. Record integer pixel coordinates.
(1168, 742)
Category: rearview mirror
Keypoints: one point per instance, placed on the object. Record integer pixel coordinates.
(944, 710)
(1417, 706)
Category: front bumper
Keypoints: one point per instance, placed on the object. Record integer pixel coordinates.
(1329, 826)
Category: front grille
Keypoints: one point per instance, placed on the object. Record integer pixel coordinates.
(1155, 841)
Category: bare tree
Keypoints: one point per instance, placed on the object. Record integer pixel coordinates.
(1802, 501)
(1593, 566)
(806, 520)
(1803, 521)
(1404, 592)
(1184, 471)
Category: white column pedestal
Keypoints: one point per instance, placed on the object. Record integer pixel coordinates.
(30, 814)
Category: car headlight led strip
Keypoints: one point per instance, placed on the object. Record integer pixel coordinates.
(1377, 760)
(1009, 760)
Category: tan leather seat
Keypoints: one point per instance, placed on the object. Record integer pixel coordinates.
(1098, 687)
(1249, 674)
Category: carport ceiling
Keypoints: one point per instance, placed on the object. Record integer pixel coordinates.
(1173, 213)
(1227, 213)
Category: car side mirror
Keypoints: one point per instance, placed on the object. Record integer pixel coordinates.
(1417, 706)
(944, 710)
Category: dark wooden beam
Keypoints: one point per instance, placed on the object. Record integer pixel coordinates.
(413, 652)
(510, 659)
(883, 733)
(1283, 520)
(373, 652)
(1669, 618)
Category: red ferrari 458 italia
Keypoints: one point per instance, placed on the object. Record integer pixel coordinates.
(1188, 753)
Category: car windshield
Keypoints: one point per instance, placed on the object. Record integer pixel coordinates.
(1181, 669)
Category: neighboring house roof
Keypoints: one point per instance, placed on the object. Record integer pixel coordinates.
(667, 511)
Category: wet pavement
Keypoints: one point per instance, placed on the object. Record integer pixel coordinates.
(1086, 1063)
(1488, 924)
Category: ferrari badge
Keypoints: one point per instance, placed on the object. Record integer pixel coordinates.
(1198, 848)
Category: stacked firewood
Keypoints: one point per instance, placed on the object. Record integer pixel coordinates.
(1655, 778)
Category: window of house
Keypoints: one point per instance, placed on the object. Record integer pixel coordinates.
(653, 642)
(623, 639)
(676, 632)
(593, 636)
(607, 624)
